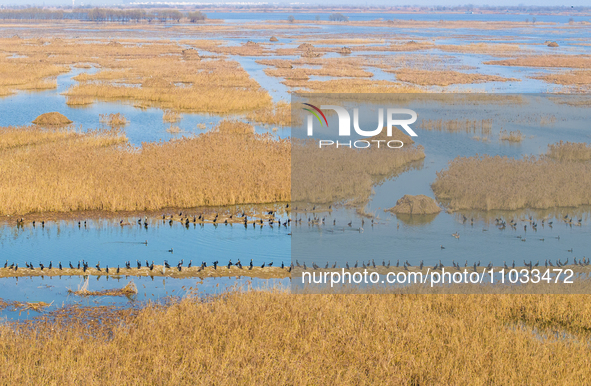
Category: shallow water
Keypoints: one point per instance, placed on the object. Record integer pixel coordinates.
(400, 238)
(54, 290)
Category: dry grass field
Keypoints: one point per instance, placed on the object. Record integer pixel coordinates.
(488, 183)
(278, 338)
(61, 170)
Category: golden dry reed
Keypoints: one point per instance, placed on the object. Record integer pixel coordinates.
(570, 151)
(334, 174)
(487, 183)
(157, 73)
(113, 120)
(445, 77)
(278, 114)
(171, 116)
(512, 136)
(276, 338)
(61, 170)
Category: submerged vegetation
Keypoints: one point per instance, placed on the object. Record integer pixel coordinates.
(487, 183)
(63, 170)
(429, 339)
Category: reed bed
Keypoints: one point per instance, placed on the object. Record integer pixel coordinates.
(331, 174)
(512, 136)
(79, 101)
(571, 78)
(172, 129)
(216, 86)
(566, 61)
(278, 114)
(171, 116)
(570, 151)
(26, 74)
(158, 73)
(62, 171)
(279, 338)
(488, 183)
(352, 86)
(113, 120)
(481, 48)
(332, 67)
(129, 289)
(445, 77)
(306, 72)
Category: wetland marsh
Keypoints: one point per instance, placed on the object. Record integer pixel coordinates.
(180, 173)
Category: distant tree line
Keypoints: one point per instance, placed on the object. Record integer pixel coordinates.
(101, 14)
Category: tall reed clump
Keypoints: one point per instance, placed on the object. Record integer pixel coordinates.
(487, 183)
(512, 136)
(570, 151)
(171, 116)
(279, 338)
(278, 114)
(61, 171)
(113, 120)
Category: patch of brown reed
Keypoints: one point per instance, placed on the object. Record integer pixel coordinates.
(570, 151)
(62, 171)
(28, 73)
(331, 174)
(233, 127)
(172, 129)
(280, 338)
(155, 72)
(481, 48)
(445, 78)
(215, 86)
(333, 67)
(487, 183)
(129, 289)
(278, 114)
(52, 119)
(566, 61)
(113, 120)
(352, 86)
(577, 78)
(415, 205)
(512, 136)
(79, 101)
(171, 116)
